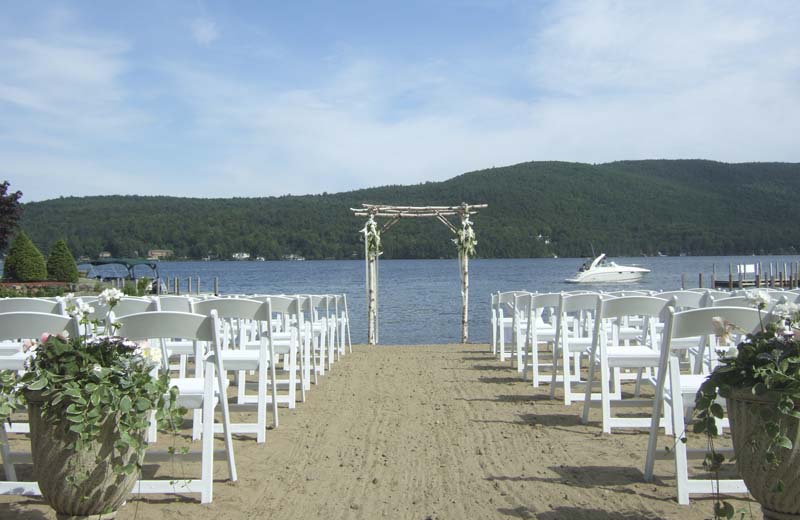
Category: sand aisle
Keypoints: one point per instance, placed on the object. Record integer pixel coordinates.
(441, 432)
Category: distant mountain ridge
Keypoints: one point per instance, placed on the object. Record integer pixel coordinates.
(536, 209)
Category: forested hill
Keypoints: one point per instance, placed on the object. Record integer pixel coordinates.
(535, 209)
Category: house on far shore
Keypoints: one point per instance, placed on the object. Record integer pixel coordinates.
(104, 254)
(241, 256)
(158, 254)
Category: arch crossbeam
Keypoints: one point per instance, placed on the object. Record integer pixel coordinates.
(465, 241)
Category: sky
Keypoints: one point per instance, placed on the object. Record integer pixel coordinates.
(261, 98)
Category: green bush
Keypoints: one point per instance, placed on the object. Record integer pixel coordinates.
(61, 265)
(130, 288)
(24, 262)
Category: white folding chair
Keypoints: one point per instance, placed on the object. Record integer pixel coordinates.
(612, 353)
(675, 391)
(505, 320)
(343, 322)
(15, 326)
(31, 305)
(175, 347)
(203, 392)
(243, 359)
(316, 330)
(573, 339)
(539, 331)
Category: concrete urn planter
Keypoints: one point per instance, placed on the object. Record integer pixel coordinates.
(744, 412)
(79, 484)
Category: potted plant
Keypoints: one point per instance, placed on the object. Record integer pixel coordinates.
(761, 381)
(90, 400)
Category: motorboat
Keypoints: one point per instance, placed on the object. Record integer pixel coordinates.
(602, 270)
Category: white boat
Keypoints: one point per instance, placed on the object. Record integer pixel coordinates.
(602, 270)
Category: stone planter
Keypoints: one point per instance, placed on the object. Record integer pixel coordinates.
(744, 412)
(79, 484)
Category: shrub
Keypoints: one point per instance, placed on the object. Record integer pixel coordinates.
(61, 265)
(24, 262)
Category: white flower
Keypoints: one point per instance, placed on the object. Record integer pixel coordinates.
(110, 296)
(722, 328)
(786, 309)
(149, 352)
(97, 369)
(758, 298)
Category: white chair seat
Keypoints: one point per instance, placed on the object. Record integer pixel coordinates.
(632, 356)
(241, 359)
(14, 361)
(190, 391)
(690, 383)
(180, 348)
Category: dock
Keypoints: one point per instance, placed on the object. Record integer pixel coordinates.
(741, 276)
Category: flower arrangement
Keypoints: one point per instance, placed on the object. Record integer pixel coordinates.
(87, 380)
(372, 237)
(766, 363)
(465, 239)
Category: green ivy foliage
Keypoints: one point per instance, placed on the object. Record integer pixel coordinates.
(61, 265)
(24, 262)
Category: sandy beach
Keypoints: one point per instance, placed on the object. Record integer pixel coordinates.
(425, 432)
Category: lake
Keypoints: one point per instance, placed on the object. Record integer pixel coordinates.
(420, 300)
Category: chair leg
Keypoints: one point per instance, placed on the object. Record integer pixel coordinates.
(5, 453)
(261, 400)
(274, 393)
(207, 468)
(605, 394)
(567, 376)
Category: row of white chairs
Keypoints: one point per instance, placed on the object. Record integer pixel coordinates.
(668, 340)
(241, 334)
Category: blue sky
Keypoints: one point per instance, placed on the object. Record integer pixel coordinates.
(257, 98)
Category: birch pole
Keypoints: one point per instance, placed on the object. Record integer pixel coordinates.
(372, 245)
(465, 240)
(464, 259)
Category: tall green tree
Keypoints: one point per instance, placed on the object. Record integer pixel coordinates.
(24, 262)
(61, 265)
(10, 211)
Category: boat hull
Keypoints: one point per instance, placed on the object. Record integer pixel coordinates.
(608, 277)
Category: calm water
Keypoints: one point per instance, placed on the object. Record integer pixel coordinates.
(420, 300)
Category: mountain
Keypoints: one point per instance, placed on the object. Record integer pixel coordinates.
(535, 209)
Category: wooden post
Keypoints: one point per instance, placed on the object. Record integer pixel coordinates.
(197, 287)
(700, 281)
(189, 285)
(730, 276)
(683, 281)
(177, 286)
(713, 276)
(216, 286)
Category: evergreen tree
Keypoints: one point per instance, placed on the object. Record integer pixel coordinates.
(61, 265)
(10, 211)
(24, 263)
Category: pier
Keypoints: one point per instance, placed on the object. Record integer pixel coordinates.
(739, 276)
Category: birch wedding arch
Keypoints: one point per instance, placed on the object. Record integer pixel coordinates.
(464, 241)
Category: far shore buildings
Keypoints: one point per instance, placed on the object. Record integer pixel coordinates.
(158, 254)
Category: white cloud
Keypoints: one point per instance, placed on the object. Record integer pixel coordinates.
(204, 31)
(605, 81)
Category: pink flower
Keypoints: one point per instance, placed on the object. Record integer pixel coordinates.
(44, 337)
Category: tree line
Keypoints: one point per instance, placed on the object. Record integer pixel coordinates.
(536, 209)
